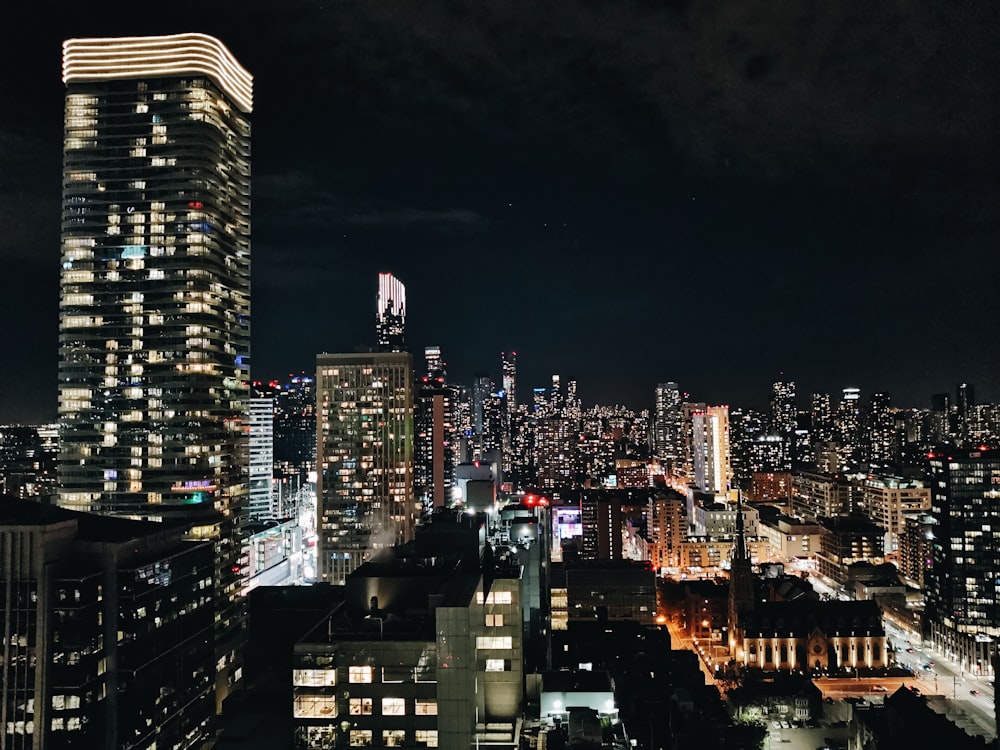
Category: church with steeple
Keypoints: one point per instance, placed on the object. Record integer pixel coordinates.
(804, 634)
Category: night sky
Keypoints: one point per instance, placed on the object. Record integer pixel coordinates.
(624, 192)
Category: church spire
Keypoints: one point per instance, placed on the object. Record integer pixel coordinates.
(741, 584)
(740, 548)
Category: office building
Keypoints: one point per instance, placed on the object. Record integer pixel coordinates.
(107, 627)
(154, 319)
(963, 602)
(364, 484)
(28, 458)
(390, 318)
(710, 449)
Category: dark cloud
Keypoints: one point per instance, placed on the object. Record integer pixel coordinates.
(624, 191)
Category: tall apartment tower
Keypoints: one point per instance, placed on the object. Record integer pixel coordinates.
(710, 430)
(880, 431)
(260, 506)
(154, 318)
(667, 422)
(435, 434)
(783, 408)
(390, 319)
(508, 363)
(364, 454)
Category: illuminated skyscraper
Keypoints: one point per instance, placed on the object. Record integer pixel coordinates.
(847, 424)
(364, 487)
(667, 443)
(710, 430)
(435, 364)
(260, 506)
(783, 409)
(154, 323)
(508, 362)
(435, 433)
(880, 431)
(822, 417)
(390, 320)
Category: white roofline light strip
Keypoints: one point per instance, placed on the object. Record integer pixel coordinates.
(111, 58)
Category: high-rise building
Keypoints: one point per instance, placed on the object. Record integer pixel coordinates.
(822, 417)
(260, 505)
(965, 402)
(435, 434)
(364, 485)
(154, 324)
(436, 367)
(667, 423)
(667, 528)
(390, 319)
(847, 427)
(880, 434)
(783, 408)
(963, 602)
(710, 430)
(508, 362)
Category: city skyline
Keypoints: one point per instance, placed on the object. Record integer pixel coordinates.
(563, 199)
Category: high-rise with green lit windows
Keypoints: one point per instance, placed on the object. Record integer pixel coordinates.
(154, 324)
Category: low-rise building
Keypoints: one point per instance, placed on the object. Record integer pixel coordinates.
(424, 651)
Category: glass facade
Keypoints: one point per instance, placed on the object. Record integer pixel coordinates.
(963, 593)
(154, 324)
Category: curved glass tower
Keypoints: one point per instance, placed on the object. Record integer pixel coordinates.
(154, 324)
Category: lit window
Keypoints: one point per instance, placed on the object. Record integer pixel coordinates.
(427, 737)
(393, 737)
(494, 621)
(494, 642)
(314, 677)
(425, 708)
(496, 597)
(314, 706)
(359, 674)
(495, 665)
(393, 706)
(361, 737)
(361, 706)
